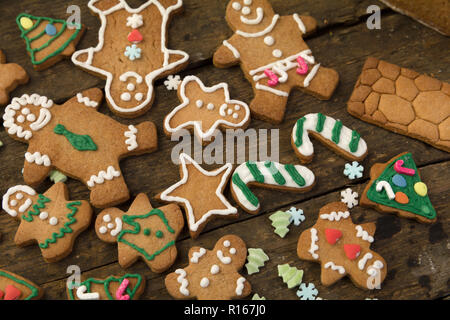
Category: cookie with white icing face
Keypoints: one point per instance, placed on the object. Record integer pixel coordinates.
(50, 219)
(273, 56)
(212, 274)
(142, 233)
(342, 248)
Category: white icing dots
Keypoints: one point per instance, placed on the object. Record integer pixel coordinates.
(277, 53)
(110, 225)
(43, 215)
(26, 111)
(233, 251)
(19, 196)
(197, 255)
(269, 41)
(21, 119)
(199, 103)
(53, 221)
(103, 230)
(237, 107)
(215, 269)
(13, 203)
(226, 243)
(131, 87)
(248, 2)
(126, 96)
(204, 283)
(235, 115)
(240, 285)
(236, 6)
(139, 96)
(210, 106)
(107, 218)
(246, 11)
(31, 117)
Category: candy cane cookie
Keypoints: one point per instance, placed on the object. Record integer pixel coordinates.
(341, 139)
(270, 175)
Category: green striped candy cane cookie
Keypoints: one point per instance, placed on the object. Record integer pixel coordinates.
(268, 174)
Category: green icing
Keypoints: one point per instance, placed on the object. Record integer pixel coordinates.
(277, 176)
(79, 142)
(137, 229)
(36, 211)
(295, 175)
(355, 141)
(131, 292)
(418, 205)
(336, 136)
(299, 132)
(34, 290)
(147, 231)
(320, 122)
(66, 229)
(257, 175)
(159, 234)
(245, 190)
(28, 41)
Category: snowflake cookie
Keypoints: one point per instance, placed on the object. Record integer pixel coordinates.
(307, 292)
(172, 82)
(349, 197)
(353, 170)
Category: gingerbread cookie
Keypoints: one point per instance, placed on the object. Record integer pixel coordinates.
(78, 141)
(48, 40)
(206, 109)
(396, 187)
(211, 184)
(212, 274)
(11, 76)
(342, 248)
(142, 232)
(131, 54)
(14, 287)
(403, 101)
(49, 219)
(271, 175)
(332, 133)
(127, 287)
(273, 57)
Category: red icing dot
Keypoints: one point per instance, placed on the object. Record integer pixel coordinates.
(12, 293)
(135, 36)
(333, 235)
(401, 198)
(352, 251)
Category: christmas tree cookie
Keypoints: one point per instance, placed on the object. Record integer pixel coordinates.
(14, 287)
(127, 287)
(48, 40)
(49, 219)
(396, 187)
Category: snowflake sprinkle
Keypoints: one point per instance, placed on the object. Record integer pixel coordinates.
(172, 82)
(297, 216)
(307, 292)
(135, 21)
(349, 197)
(353, 170)
(133, 52)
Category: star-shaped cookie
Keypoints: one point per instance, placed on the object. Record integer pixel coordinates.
(50, 219)
(11, 76)
(201, 194)
(142, 232)
(342, 248)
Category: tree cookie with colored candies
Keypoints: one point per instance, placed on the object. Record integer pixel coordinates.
(48, 40)
(200, 192)
(342, 248)
(77, 140)
(273, 56)
(131, 53)
(206, 109)
(11, 75)
(15, 287)
(127, 287)
(51, 220)
(212, 274)
(269, 175)
(332, 133)
(142, 232)
(396, 187)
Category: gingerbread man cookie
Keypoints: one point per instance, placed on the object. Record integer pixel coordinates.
(200, 209)
(49, 219)
(206, 109)
(78, 141)
(142, 232)
(342, 248)
(48, 40)
(14, 287)
(131, 53)
(273, 56)
(212, 274)
(11, 76)
(127, 287)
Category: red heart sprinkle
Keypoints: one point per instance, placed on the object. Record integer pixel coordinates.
(333, 235)
(352, 251)
(12, 293)
(135, 36)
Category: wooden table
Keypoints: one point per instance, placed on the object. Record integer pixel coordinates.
(417, 255)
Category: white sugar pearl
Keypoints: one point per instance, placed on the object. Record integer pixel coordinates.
(199, 103)
(31, 117)
(131, 87)
(43, 215)
(277, 53)
(246, 11)
(138, 96)
(25, 111)
(236, 6)
(53, 221)
(125, 96)
(210, 106)
(270, 41)
(103, 230)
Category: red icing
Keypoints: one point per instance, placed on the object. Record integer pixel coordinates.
(135, 36)
(333, 235)
(12, 293)
(1, 294)
(398, 167)
(352, 251)
(272, 76)
(303, 67)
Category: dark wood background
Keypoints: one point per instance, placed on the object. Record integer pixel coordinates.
(417, 255)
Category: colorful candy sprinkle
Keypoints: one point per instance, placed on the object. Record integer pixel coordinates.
(398, 167)
(303, 67)
(401, 198)
(50, 29)
(399, 181)
(352, 251)
(135, 36)
(26, 23)
(273, 79)
(421, 189)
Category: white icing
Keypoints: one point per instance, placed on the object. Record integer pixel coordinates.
(226, 243)
(110, 225)
(107, 218)
(131, 135)
(118, 227)
(334, 267)
(24, 207)
(150, 77)
(135, 21)
(26, 111)
(109, 174)
(31, 117)
(86, 101)
(222, 110)
(300, 23)
(193, 224)
(387, 187)
(271, 90)
(199, 103)
(259, 17)
(246, 177)
(277, 53)
(206, 133)
(235, 52)
(222, 258)
(335, 216)
(261, 33)
(240, 285)
(204, 283)
(269, 40)
(197, 255)
(13, 203)
(38, 159)
(361, 233)
(53, 221)
(236, 6)
(237, 107)
(103, 230)
(311, 75)
(183, 281)
(6, 198)
(374, 269)
(19, 196)
(43, 215)
(20, 119)
(126, 96)
(314, 247)
(131, 87)
(248, 2)
(362, 262)
(307, 148)
(246, 11)
(233, 251)
(210, 106)
(215, 269)
(130, 74)
(82, 295)
(139, 96)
